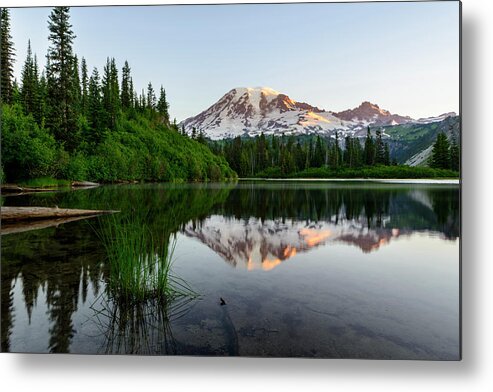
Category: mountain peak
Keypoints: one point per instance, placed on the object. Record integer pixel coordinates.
(250, 111)
(370, 113)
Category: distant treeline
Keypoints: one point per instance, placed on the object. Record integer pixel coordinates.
(445, 154)
(287, 155)
(319, 157)
(62, 121)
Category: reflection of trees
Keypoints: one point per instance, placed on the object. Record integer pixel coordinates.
(446, 209)
(141, 328)
(386, 206)
(65, 261)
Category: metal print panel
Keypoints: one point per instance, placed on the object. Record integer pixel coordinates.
(267, 180)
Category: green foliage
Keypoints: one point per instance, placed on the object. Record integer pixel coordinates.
(7, 55)
(440, 158)
(66, 125)
(139, 261)
(27, 150)
(454, 155)
(44, 182)
(364, 172)
(251, 156)
(61, 81)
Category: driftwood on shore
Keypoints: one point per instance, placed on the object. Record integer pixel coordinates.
(84, 184)
(16, 189)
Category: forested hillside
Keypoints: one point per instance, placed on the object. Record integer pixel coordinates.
(63, 120)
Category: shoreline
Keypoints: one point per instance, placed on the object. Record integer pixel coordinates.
(444, 181)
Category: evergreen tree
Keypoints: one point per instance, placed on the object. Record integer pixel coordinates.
(127, 87)
(261, 148)
(7, 55)
(40, 110)
(318, 158)
(76, 86)
(84, 86)
(163, 106)
(111, 94)
(379, 149)
(200, 137)
(299, 157)
(308, 154)
(348, 156)
(29, 83)
(94, 108)
(133, 94)
(62, 117)
(386, 161)
(454, 155)
(369, 150)
(151, 97)
(336, 155)
(440, 158)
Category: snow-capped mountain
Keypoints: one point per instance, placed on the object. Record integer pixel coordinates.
(368, 113)
(251, 111)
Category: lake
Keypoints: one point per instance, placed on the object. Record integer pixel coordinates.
(304, 269)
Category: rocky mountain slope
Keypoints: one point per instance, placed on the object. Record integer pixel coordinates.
(248, 112)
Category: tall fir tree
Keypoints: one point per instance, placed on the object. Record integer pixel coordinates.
(84, 86)
(76, 86)
(127, 87)
(62, 118)
(440, 157)
(151, 97)
(163, 106)
(94, 109)
(454, 155)
(369, 151)
(386, 161)
(379, 149)
(318, 158)
(111, 94)
(7, 54)
(40, 111)
(29, 83)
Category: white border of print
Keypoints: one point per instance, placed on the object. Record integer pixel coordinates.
(18, 372)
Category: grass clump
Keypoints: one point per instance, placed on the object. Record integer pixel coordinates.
(140, 262)
(45, 182)
(400, 171)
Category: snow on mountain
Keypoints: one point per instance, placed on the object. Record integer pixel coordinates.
(441, 117)
(246, 111)
(370, 114)
(251, 111)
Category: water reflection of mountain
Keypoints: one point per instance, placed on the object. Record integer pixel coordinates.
(258, 228)
(57, 269)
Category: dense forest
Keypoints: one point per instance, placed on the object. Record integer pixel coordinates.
(321, 157)
(64, 121)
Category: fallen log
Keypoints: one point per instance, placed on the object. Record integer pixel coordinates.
(13, 188)
(84, 184)
(15, 214)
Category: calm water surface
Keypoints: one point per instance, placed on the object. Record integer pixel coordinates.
(356, 270)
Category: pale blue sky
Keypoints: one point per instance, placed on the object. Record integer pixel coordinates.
(402, 56)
